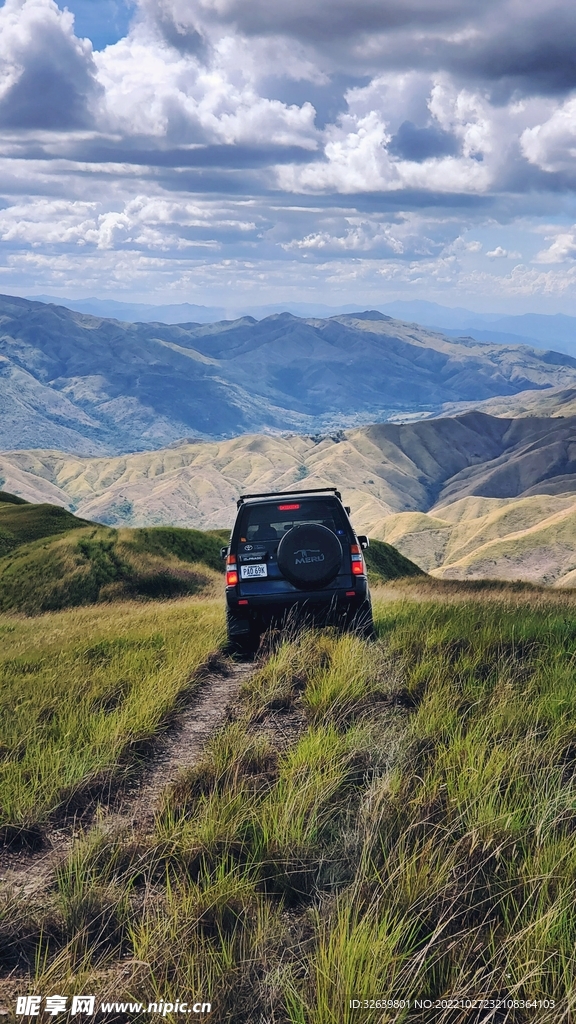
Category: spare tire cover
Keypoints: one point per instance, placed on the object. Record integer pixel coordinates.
(309, 555)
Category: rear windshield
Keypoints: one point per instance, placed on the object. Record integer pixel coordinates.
(272, 521)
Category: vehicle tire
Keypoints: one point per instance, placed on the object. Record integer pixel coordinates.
(243, 644)
(309, 556)
(363, 623)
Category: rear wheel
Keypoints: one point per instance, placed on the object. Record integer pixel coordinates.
(362, 622)
(241, 641)
(243, 647)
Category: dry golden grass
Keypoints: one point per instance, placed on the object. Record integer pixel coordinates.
(530, 538)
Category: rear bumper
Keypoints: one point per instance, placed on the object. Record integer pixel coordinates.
(323, 606)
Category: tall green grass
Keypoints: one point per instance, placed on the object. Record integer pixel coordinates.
(466, 878)
(254, 829)
(80, 689)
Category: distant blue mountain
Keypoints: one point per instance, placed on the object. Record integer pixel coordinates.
(556, 331)
(80, 383)
(187, 312)
(430, 314)
(138, 312)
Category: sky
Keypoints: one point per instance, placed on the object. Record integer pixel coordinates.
(258, 151)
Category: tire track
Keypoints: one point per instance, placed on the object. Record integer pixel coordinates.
(25, 874)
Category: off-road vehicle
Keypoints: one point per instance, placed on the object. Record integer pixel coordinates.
(294, 555)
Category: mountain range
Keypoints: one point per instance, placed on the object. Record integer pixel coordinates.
(467, 496)
(90, 386)
(186, 312)
(556, 331)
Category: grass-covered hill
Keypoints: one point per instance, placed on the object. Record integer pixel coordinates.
(50, 559)
(382, 469)
(22, 522)
(385, 563)
(470, 496)
(11, 499)
(531, 538)
(97, 563)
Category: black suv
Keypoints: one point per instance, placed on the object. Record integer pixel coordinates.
(294, 552)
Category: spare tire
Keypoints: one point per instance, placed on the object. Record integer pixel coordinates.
(309, 556)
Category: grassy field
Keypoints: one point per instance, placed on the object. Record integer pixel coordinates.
(82, 690)
(379, 821)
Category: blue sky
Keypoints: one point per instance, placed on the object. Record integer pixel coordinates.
(104, 22)
(242, 151)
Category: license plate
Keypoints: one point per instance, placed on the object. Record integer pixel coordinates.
(248, 572)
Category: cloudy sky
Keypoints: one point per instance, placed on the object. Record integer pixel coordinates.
(256, 151)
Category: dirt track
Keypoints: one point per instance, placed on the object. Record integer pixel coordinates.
(25, 873)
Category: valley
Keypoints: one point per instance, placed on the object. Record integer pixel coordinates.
(169, 817)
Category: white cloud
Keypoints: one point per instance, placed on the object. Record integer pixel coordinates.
(466, 114)
(152, 89)
(47, 222)
(404, 236)
(79, 191)
(503, 254)
(356, 160)
(461, 245)
(562, 248)
(356, 237)
(144, 221)
(552, 144)
(357, 148)
(47, 75)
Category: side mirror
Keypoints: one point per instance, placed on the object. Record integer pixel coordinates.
(363, 542)
(347, 509)
(224, 552)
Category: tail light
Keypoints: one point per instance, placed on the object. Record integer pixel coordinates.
(357, 562)
(231, 571)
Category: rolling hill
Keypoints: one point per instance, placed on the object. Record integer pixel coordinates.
(554, 402)
(21, 522)
(439, 490)
(89, 385)
(50, 559)
(383, 468)
(531, 538)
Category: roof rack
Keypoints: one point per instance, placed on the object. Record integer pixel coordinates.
(285, 494)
